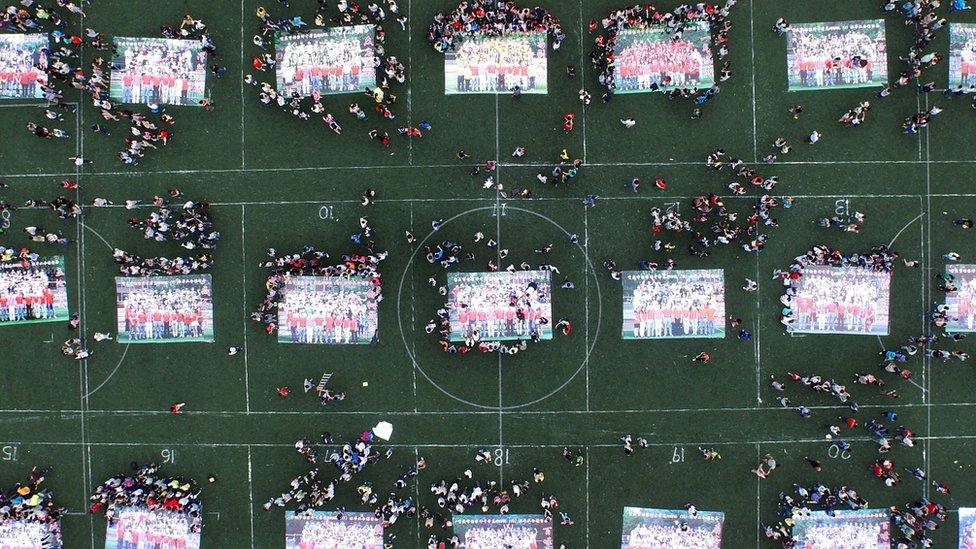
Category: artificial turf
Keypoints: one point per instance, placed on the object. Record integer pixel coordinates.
(275, 181)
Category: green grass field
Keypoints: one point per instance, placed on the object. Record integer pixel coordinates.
(275, 181)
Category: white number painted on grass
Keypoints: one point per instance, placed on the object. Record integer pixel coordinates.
(672, 206)
(4, 219)
(168, 455)
(501, 456)
(9, 452)
(834, 452)
(327, 212)
(842, 207)
(499, 210)
(678, 456)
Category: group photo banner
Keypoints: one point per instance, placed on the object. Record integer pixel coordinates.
(23, 65)
(497, 64)
(841, 300)
(142, 528)
(165, 309)
(328, 310)
(500, 306)
(322, 530)
(26, 534)
(842, 54)
(673, 304)
(650, 59)
(33, 291)
(329, 61)
(962, 55)
(508, 531)
(645, 528)
(163, 71)
(863, 528)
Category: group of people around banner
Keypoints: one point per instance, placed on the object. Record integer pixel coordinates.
(671, 63)
(500, 63)
(22, 70)
(835, 59)
(664, 309)
(500, 308)
(324, 63)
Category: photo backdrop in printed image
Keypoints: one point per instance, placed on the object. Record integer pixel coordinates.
(315, 529)
(962, 302)
(673, 304)
(142, 528)
(500, 306)
(496, 64)
(843, 54)
(23, 534)
(967, 528)
(158, 70)
(841, 300)
(328, 310)
(329, 61)
(651, 56)
(962, 55)
(165, 309)
(863, 528)
(23, 66)
(514, 531)
(33, 291)
(656, 528)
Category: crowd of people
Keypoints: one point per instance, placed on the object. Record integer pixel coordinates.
(606, 53)
(310, 262)
(146, 490)
(448, 31)
(190, 225)
(29, 518)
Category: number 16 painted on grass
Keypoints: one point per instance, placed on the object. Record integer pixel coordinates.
(168, 455)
